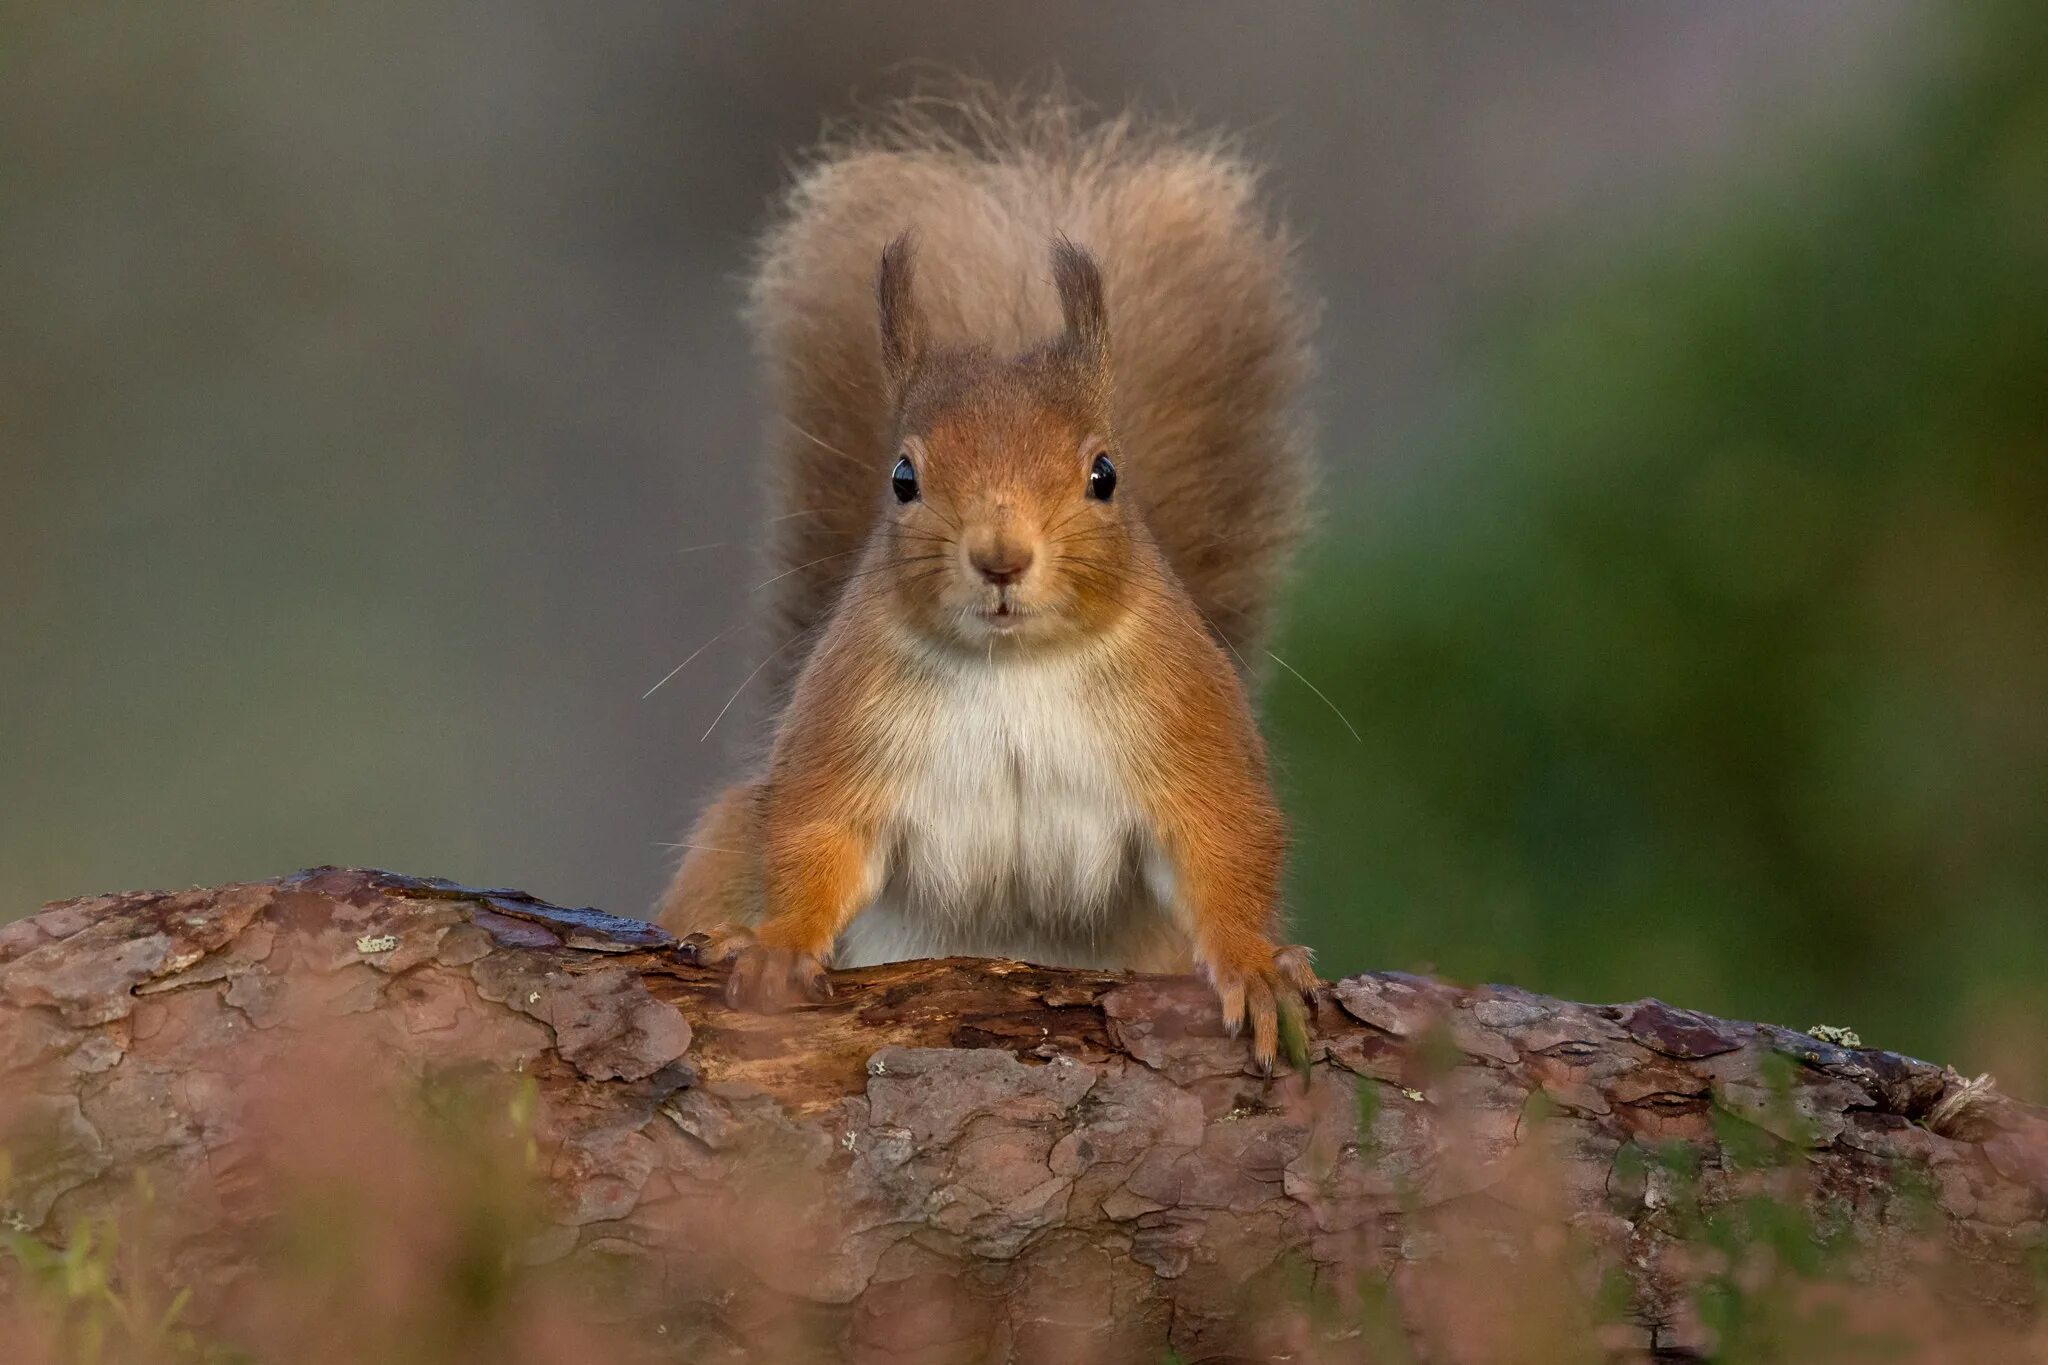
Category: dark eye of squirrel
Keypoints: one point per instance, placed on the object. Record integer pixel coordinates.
(903, 479)
(1101, 479)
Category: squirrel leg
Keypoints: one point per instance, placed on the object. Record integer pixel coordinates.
(1273, 995)
(716, 890)
(817, 877)
(1226, 890)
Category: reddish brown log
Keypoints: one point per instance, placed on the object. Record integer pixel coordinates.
(987, 1160)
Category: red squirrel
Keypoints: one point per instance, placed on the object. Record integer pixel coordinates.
(1038, 472)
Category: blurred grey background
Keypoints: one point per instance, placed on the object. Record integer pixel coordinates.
(367, 371)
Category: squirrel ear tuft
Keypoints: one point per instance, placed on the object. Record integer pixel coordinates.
(1079, 281)
(902, 326)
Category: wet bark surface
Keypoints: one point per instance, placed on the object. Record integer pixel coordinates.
(982, 1156)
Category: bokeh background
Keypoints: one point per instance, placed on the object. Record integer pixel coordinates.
(375, 428)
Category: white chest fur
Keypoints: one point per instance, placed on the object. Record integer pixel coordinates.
(1017, 834)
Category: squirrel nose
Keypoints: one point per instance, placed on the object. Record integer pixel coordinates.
(1001, 562)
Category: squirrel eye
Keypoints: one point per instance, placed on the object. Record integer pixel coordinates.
(903, 479)
(1101, 479)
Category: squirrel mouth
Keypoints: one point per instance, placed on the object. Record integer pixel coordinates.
(1002, 615)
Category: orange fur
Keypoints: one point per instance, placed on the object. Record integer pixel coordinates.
(1208, 327)
(1018, 729)
(719, 876)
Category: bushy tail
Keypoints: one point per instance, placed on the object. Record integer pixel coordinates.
(1209, 332)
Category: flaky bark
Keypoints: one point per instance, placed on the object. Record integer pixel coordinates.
(981, 1160)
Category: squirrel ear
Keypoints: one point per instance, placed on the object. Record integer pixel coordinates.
(903, 338)
(1079, 281)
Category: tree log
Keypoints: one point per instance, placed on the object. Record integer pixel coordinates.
(955, 1160)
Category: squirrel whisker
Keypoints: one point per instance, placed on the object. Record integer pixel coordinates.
(808, 564)
(762, 542)
(831, 449)
(918, 577)
(1066, 520)
(743, 686)
(1110, 585)
(824, 445)
(686, 663)
(1319, 692)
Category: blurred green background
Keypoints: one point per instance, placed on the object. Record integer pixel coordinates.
(1707, 654)
(375, 428)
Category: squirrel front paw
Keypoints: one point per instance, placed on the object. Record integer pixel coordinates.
(1268, 992)
(764, 979)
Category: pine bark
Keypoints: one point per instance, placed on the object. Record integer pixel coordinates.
(987, 1160)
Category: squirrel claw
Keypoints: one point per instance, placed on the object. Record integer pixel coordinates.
(1270, 998)
(763, 979)
(766, 979)
(716, 946)
(1295, 964)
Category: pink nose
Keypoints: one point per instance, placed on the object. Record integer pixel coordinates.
(1001, 562)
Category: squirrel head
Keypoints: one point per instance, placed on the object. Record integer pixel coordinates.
(1004, 518)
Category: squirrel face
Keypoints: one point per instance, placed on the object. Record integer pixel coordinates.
(1006, 521)
(1006, 524)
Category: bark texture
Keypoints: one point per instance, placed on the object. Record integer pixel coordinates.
(964, 1159)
